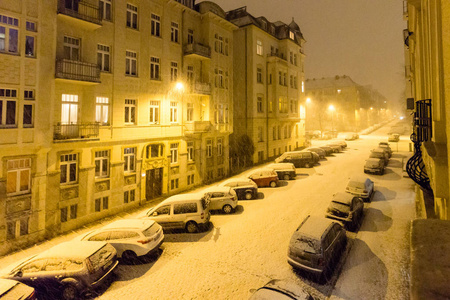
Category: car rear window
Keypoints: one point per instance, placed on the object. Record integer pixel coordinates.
(122, 235)
(151, 230)
(340, 206)
(305, 243)
(356, 184)
(185, 208)
(99, 258)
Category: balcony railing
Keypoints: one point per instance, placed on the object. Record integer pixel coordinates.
(82, 10)
(76, 131)
(197, 49)
(198, 127)
(77, 70)
(423, 121)
(201, 88)
(277, 54)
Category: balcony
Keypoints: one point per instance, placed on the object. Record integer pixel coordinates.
(76, 131)
(82, 13)
(201, 88)
(275, 56)
(78, 71)
(197, 50)
(197, 127)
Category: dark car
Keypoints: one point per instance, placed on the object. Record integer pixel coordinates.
(67, 270)
(316, 156)
(328, 150)
(316, 246)
(285, 171)
(336, 148)
(319, 151)
(381, 154)
(300, 159)
(374, 166)
(281, 290)
(385, 145)
(14, 290)
(346, 208)
(361, 186)
(245, 188)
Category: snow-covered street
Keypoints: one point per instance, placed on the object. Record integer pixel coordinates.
(244, 250)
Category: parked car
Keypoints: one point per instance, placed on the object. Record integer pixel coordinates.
(298, 158)
(319, 151)
(316, 156)
(347, 209)
(351, 137)
(281, 290)
(343, 144)
(394, 137)
(130, 237)
(336, 148)
(264, 177)
(222, 198)
(245, 188)
(380, 153)
(316, 245)
(374, 166)
(328, 150)
(184, 211)
(14, 290)
(67, 270)
(284, 171)
(385, 145)
(361, 186)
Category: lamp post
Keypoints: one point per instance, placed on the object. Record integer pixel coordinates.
(332, 109)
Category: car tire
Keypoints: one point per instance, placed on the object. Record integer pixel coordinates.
(248, 195)
(286, 177)
(273, 184)
(69, 291)
(227, 209)
(191, 227)
(129, 256)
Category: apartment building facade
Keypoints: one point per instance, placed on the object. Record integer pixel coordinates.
(269, 84)
(427, 61)
(129, 101)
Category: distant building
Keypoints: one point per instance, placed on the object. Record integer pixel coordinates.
(268, 84)
(427, 65)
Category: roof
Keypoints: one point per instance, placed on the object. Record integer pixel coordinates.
(330, 82)
(73, 249)
(315, 227)
(130, 224)
(344, 198)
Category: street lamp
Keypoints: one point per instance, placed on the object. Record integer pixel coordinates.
(332, 109)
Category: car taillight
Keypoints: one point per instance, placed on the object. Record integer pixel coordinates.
(31, 296)
(321, 262)
(202, 216)
(143, 242)
(89, 266)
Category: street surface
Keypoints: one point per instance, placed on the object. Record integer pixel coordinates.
(244, 250)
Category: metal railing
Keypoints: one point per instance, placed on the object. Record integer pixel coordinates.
(277, 54)
(198, 126)
(198, 49)
(201, 88)
(81, 10)
(423, 120)
(76, 131)
(77, 70)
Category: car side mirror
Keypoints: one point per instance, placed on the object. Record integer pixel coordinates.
(154, 214)
(19, 273)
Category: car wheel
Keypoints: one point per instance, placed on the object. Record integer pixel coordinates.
(191, 227)
(248, 195)
(286, 177)
(273, 184)
(307, 165)
(70, 291)
(129, 256)
(227, 209)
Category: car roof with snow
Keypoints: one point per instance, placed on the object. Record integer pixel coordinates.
(314, 227)
(357, 180)
(344, 198)
(239, 179)
(130, 224)
(217, 188)
(73, 249)
(280, 165)
(184, 197)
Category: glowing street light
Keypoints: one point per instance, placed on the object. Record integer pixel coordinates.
(308, 100)
(179, 86)
(371, 108)
(331, 107)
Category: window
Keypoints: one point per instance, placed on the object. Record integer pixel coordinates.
(129, 155)
(226, 47)
(174, 153)
(129, 196)
(303, 86)
(31, 26)
(209, 148)
(155, 151)
(219, 147)
(103, 57)
(220, 118)
(65, 211)
(185, 208)
(154, 112)
(279, 137)
(68, 166)
(270, 105)
(174, 32)
(156, 25)
(259, 75)
(28, 94)
(280, 78)
(285, 79)
(132, 16)
(173, 71)
(274, 136)
(296, 84)
(292, 106)
(71, 48)
(131, 63)
(190, 75)
(69, 109)
(260, 134)
(190, 36)
(102, 110)
(174, 184)
(9, 34)
(190, 151)
(219, 78)
(28, 119)
(218, 45)
(270, 78)
(190, 179)
(259, 47)
(8, 107)
(154, 68)
(101, 204)
(18, 176)
(190, 112)
(291, 57)
(102, 164)
(295, 59)
(173, 112)
(30, 46)
(259, 104)
(291, 35)
(130, 111)
(16, 228)
(105, 9)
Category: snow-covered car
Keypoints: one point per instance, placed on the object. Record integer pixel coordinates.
(14, 290)
(264, 177)
(245, 188)
(380, 153)
(336, 148)
(385, 145)
(184, 211)
(394, 137)
(328, 150)
(361, 186)
(67, 270)
(285, 171)
(319, 151)
(130, 237)
(374, 166)
(281, 290)
(222, 198)
(351, 137)
(347, 209)
(300, 159)
(316, 246)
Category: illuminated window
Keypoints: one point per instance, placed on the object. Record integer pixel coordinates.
(174, 153)
(259, 47)
(102, 110)
(102, 164)
(129, 155)
(18, 176)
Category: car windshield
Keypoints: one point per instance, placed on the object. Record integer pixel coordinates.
(99, 258)
(340, 206)
(356, 184)
(306, 244)
(371, 163)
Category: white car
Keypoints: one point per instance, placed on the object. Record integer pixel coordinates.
(130, 237)
(221, 198)
(245, 188)
(361, 186)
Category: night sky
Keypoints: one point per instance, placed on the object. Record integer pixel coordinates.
(359, 38)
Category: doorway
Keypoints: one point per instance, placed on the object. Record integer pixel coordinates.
(153, 186)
